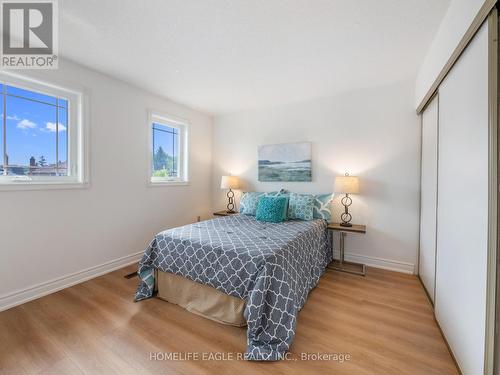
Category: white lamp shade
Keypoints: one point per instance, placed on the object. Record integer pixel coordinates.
(229, 182)
(346, 184)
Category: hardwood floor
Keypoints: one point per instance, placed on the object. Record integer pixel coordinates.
(383, 321)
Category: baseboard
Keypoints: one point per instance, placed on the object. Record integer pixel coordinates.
(36, 291)
(386, 264)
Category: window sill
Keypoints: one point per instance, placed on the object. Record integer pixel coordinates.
(42, 185)
(167, 183)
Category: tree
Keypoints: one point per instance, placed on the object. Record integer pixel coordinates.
(42, 162)
(163, 164)
(160, 159)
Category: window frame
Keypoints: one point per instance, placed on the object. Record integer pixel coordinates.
(182, 127)
(76, 138)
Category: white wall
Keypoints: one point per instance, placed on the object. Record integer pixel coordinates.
(373, 133)
(453, 26)
(52, 233)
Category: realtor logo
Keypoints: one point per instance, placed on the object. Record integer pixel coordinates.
(29, 34)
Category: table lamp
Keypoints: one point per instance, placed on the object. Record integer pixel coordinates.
(230, 182)
(346, 185)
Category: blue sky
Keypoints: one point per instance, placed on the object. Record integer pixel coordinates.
(164, 139)
(31, 127)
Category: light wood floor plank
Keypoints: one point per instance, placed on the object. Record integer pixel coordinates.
(384, 321)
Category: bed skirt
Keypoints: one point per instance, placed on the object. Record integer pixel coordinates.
(201, 299)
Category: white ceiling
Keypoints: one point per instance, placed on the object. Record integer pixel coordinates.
(228, 55)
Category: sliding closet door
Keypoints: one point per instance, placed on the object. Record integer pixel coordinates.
(428, 199)
(462, 214)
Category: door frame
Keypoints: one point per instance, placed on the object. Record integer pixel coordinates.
(491, 359)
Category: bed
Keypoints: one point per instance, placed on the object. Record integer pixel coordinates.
(270, 266)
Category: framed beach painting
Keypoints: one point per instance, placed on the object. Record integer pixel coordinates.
(285, 162)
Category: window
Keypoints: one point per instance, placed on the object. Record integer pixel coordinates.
(168, 152)
(40, 134)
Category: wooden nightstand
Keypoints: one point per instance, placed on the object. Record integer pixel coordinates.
(224, 213)
(341, 264)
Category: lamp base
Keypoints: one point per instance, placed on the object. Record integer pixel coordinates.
(346, 216)
(230, 204)
(230, 211)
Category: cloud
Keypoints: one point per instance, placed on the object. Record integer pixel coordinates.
(26, 124)
(51, 127)
(13, 117)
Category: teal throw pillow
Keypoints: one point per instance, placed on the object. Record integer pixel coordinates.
(301, 206)
(323, 207)
(272, 209)
(249, 201)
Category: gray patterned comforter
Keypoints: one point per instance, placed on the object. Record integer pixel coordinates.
(272, 266)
